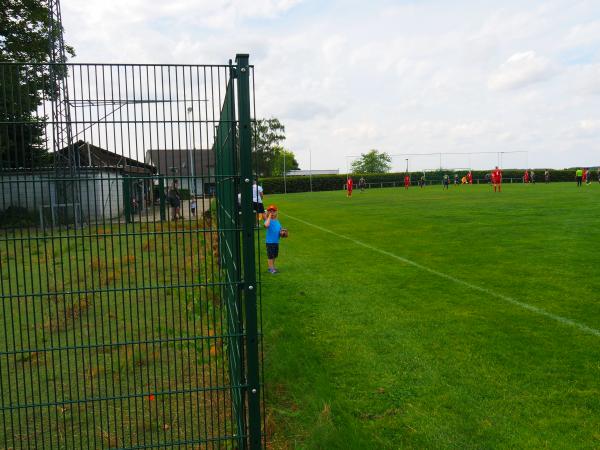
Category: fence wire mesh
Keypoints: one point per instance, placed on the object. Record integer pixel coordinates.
(125, 267)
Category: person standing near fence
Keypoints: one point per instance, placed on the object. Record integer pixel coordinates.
(470, 177)
(175, 200)
(406, 181)
(257, 200)
(598, 174)
(579, 176)
(532, 176)
(526, 177)
(349, 185)
(274, 232)
(547, 176)
(446, 181)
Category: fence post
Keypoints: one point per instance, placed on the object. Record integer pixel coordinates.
(127, 198)
(248, 254)
(161, 196)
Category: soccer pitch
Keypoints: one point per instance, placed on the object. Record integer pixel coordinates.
(436, 319)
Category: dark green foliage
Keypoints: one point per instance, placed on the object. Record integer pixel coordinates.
(17, 217)
(302, 184)
(268, 153)
(267, 135)
(279, 163)
(372, 162)
(24, 30)
(184, 194)
(25, 27)
(21, 141)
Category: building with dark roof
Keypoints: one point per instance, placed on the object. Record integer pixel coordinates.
(90, 156)
(96, 192)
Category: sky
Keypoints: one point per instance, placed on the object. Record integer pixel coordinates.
(408, 78)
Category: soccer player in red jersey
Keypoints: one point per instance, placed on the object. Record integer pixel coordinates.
(470, 177)
(497, 179)
(526, 177)
(406, 181)
(349, 185)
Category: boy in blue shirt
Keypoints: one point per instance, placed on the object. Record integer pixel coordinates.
(272, 239)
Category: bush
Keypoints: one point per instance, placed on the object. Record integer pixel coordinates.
(184, 194)
(17, 217)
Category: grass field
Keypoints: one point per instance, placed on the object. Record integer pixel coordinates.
(112, 337)
(431, 319)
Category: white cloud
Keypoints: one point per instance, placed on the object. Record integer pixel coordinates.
(520, 70)
(583, 34)
(508, 23)
(307, 110)
(359, 131)
(585, 79)
(590, 125)
(414, 77)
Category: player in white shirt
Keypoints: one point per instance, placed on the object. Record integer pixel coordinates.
(257, 200)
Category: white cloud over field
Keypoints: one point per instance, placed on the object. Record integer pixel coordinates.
(399, 76)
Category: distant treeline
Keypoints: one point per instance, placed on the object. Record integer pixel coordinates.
(275, 185)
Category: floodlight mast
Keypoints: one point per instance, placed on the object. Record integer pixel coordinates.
(66, 161)
(64, 154)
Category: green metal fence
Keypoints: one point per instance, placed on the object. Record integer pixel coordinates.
(129, 299)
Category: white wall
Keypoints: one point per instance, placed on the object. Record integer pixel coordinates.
(26, 190)
(101, 193)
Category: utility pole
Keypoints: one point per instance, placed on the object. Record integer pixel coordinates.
(310, 167)
(284, 180)
(189, 142)
(66, 162)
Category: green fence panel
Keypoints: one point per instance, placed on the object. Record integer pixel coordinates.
(229, 245)
(129, 295)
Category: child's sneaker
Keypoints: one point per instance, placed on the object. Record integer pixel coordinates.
(272, 271)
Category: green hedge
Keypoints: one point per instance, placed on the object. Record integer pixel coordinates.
(275, 185)
(184, 194)
(18, 217)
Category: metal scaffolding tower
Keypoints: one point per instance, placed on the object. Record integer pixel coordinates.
(67, 201)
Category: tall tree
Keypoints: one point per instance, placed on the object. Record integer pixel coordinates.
(268, 135)
(372, 162)
(283, 159)
(25, 27)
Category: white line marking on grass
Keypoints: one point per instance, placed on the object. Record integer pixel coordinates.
(528, 307)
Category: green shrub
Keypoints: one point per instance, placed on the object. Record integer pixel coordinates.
(184, 194)
(17, 217)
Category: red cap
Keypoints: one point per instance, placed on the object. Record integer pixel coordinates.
(272, 208)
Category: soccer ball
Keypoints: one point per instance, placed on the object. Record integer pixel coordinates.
(283, 233)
